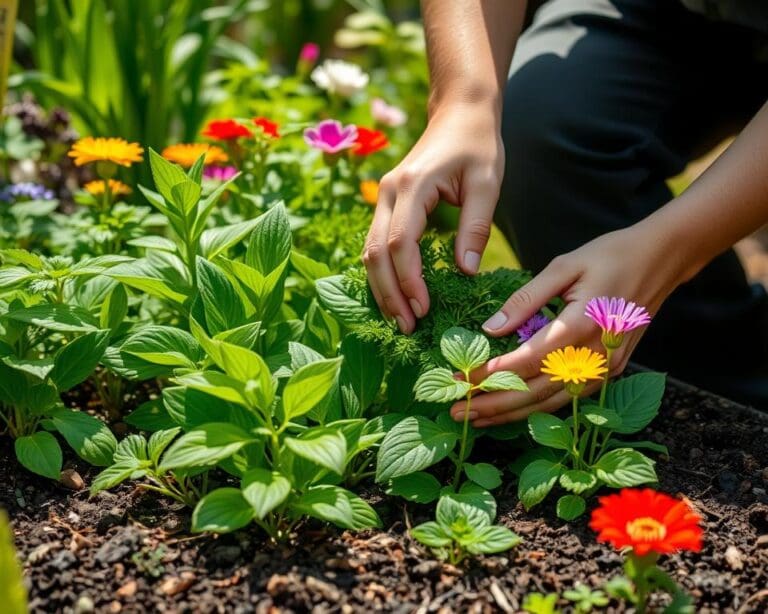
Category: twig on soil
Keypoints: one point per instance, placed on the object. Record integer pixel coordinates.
(501, 598)
(757, 596)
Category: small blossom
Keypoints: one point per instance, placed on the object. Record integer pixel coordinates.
(219, 173)
(25, 191)
(647, 521)
(616, 316)
(96, 188)
(226, 130)
(340, 77)
(387, 115)
(369, 190)
(309, 53)
(268, 127)
(186, 154)
(572, 365)
(114, 150)
(532, 326)
(330, 136)
(369, 141)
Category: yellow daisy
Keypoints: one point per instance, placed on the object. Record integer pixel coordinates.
(115, 150)
(186, 154)
(96, 188)
(574, 365)
(369, 190)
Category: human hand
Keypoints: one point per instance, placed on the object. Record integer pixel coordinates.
(630, 263)
(460, 159)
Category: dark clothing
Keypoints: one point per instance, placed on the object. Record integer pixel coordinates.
(606, 100)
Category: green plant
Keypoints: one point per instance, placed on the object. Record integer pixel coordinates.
(539, 603)
(585, 599)
(11, 579)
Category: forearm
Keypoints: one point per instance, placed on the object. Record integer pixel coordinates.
(728, 202)
(469, 48)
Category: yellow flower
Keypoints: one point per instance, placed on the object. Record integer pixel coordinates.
(115, 150)
(369, 190)
(96, 188)
(574, 365)
(186, 154)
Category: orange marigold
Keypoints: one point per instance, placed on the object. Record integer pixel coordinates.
(369, 190)
(115, 150)
(186, 154)
(96, 188)
(647, 521)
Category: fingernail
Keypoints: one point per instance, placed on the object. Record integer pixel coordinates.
(460, 416)
(401, 323)
(496, 321)
(416, 306)
(471, 261)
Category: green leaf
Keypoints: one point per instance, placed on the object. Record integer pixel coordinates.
(132, 448)
(413, 444)
(536, 603)
(204, 446)
(431, 534)
(333, 295)
(536, 480)
(464, 349)
(308, 386)
(114, 308)
(11, 576)
(602, 417)
(452, 508)
(166, 174)
(439, 386)
(159, 441)
(270, 244)
(218, 240)
(624, 467)
(114, 475)
(362, 369)
(636, 399)
(483, 474)
(323, 446)
(639, 445)
(222, 304)
(221, 511)
(56, 317)
(338, 506)
(150, 416)
(577, 481)
(154, 351)
(40, 453)
(570, 507)
(418, 487)
(89, 437)
(77, 360)
(309, 268)
(549, 430)
(185, 196)
(264, 490)
(503, 380)
(493, 539)
(216, 384)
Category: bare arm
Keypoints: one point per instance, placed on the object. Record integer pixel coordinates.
(459, 158)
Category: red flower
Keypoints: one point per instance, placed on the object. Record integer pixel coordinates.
(647, 521)
(225, 130)
(267, 126)
(369, 141)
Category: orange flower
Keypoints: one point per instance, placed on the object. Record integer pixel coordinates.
(186, 154)
(268, 127)
(115, 150)
(369, 141)
(647, 521)
(225, 130)
(96, 188)
(369, 190)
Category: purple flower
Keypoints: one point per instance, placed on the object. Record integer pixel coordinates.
(26, 191)
(330, 136)
(532, 326)
(616, 316)
(219, 173)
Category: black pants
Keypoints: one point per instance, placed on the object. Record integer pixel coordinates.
(606, 101)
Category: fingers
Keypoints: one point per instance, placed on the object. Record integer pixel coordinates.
(475, 224)
(556, 277)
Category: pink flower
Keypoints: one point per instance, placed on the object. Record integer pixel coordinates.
(309, 53)
(387, 115)
(330, 136)
(219, 173)
(616, 316)
(532, 326)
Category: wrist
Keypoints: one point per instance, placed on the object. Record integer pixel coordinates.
(479, 97)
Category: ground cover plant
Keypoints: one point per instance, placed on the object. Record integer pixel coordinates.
(182, 304)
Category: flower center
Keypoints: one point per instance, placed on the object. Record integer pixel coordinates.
(646, 529)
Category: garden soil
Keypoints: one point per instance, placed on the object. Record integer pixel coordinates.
(129, 551)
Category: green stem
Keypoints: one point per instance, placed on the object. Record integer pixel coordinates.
(604, 389)
(575, 405)
(331, 177)
(464, 437)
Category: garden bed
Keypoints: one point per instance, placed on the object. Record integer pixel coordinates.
(129, 551)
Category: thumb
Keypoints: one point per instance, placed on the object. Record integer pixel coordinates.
(474, 227)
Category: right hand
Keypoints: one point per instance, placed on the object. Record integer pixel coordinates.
(459, 159)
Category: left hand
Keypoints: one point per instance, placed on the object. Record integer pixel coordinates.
(632, 263)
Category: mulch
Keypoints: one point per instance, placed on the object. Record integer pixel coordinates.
(129, 551)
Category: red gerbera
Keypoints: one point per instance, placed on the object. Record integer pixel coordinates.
(225, 130)
(369, 141)
(647, 521)
(268, 126)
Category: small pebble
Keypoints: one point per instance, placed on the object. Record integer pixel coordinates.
(734, 558)
(84, 605)
(762, 541)
(71, 479)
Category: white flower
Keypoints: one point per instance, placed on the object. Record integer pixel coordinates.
(339, 77)
(386, 114)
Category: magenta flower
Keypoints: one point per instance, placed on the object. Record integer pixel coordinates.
(330, 136)
(532, 326)
(616, 316)
(309, 53)
(219, 173)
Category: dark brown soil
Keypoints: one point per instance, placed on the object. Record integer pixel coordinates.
(128, 551)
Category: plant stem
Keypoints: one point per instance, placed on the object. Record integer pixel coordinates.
(604, 389)
(464, 437)
(575, 405)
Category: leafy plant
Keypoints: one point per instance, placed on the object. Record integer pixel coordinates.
(585, 599)
(539, 603)
(11, 579)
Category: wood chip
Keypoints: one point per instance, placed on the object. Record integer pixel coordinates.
(127, 590)
(735, 558)
(71, 479)
(500, 598)
(177, 584)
